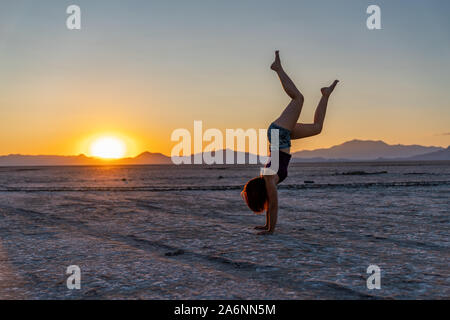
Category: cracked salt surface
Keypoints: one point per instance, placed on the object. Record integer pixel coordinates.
(155, 236)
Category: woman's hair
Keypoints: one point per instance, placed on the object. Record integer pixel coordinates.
(255, 194)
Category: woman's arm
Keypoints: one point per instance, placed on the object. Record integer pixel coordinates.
(272, 209)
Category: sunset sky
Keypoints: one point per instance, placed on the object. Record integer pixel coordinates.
(138, 70)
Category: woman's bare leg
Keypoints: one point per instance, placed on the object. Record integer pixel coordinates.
(302, 130)
(290, 115)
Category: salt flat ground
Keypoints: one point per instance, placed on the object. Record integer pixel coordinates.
(163, 232)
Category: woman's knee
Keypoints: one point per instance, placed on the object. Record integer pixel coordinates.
(298, 98)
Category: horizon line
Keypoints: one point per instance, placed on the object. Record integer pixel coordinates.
(224, 149)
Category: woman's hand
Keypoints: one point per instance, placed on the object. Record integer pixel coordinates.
(265, 232)
(272, 198)
(266, 227)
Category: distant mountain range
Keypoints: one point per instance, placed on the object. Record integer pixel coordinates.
(26, 160)
(437, 155)
(355, 150)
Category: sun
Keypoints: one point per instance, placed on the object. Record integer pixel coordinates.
(108, 148)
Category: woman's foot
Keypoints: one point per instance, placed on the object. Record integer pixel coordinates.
(326, 92)
(276, 65)
(262, 228)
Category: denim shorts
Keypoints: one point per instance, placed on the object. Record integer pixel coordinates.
(283, 134)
